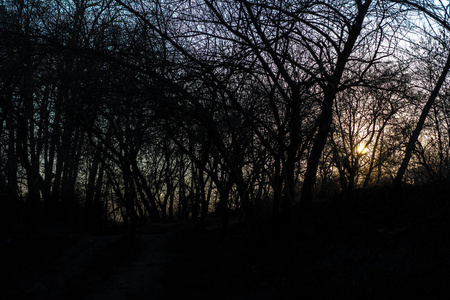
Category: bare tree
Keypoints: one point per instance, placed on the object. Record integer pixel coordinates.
(439, 15)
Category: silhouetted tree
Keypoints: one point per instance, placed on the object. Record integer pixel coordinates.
(438, 14)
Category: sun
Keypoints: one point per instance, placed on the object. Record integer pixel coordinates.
(361, 149)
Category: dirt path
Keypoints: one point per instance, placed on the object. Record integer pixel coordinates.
(140, 277)
(97, 267)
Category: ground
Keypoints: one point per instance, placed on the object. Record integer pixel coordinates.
(374, 245)
(89, 267)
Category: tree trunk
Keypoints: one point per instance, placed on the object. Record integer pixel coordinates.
(415, 135)
(12, 161)
(90, 214)
(326, 116)
(130, 199)
(150, 201)
(288, 171)
(224, 192)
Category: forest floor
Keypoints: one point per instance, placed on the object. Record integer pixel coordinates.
(90, 267)
(376, 246)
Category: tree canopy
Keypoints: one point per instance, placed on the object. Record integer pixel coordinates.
(136, 111)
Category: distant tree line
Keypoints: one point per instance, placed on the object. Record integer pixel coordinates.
(135, 111)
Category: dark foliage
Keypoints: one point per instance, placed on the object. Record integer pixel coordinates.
(381, 245)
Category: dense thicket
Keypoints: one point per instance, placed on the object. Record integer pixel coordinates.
(142, 111)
